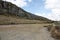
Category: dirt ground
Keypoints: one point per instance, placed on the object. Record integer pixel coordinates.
(24, 32)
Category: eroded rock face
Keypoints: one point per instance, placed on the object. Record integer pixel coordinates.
(6, 7)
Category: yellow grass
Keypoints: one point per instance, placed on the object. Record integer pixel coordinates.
(16, 20)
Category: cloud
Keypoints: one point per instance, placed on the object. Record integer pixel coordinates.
(30, 0)
(40, 14)
(19, 3)
(54, 6)
(49, 16)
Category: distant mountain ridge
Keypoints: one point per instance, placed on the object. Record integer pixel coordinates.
(7, 8)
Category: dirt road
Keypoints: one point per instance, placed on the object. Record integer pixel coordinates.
(24, 32)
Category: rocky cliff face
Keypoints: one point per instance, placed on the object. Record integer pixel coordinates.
(6, 7)
(11, 9)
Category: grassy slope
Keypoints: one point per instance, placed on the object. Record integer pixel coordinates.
(16, 20)
(11, 14)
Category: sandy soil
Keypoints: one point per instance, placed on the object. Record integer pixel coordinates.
(24, 32)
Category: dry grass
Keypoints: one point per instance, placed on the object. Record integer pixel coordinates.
(16, 20)
(54, 31)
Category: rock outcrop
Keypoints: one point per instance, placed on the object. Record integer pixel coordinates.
(7, 7)
(11, 9)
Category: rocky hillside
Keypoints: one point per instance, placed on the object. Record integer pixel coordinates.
(9, 9)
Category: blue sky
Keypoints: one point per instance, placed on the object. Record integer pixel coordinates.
(46, 8)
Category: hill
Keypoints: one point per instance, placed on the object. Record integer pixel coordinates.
(11, 14)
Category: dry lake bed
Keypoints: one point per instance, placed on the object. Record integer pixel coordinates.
(24, 32)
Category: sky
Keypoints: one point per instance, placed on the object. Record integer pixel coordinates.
(46, 8)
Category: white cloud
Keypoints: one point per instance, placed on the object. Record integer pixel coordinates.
(19, 3)
(30, 0)
(54, 5)
(50, 16)
(40, 14)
